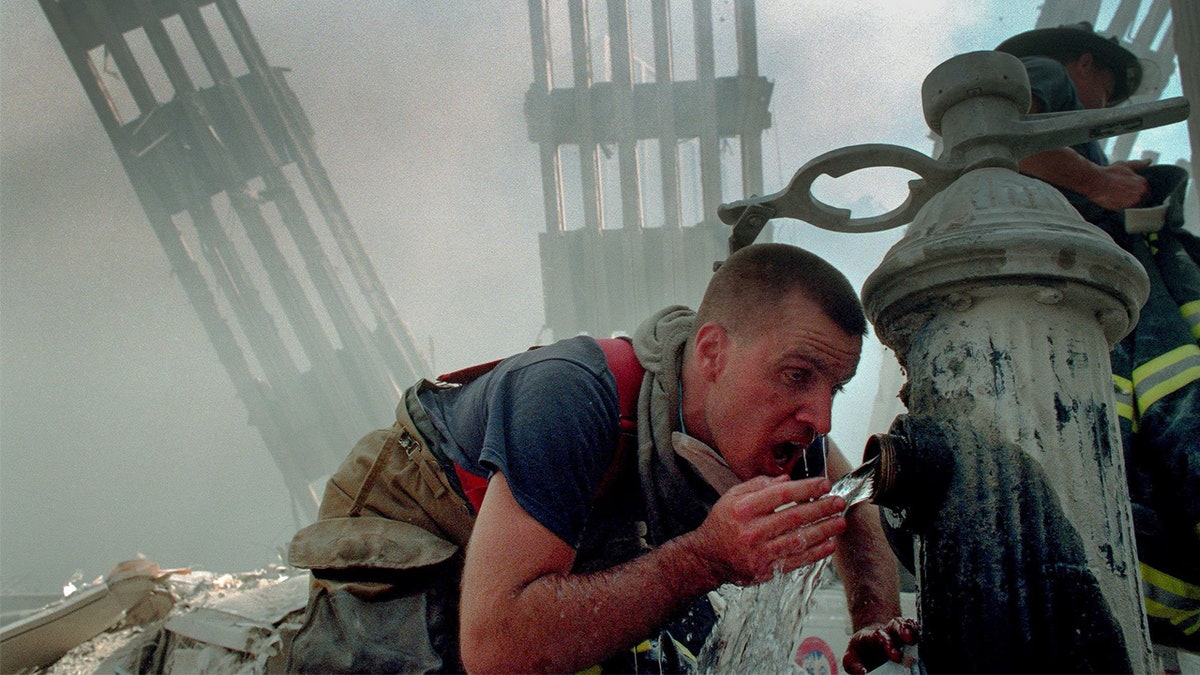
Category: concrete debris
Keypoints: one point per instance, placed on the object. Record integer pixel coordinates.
(133, 591)
(214, 623)
(243, 633)
(85, 659)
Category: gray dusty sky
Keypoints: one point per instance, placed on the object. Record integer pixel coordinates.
(120, 432)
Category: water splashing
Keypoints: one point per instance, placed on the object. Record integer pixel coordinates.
(855, 487)
(760, 626)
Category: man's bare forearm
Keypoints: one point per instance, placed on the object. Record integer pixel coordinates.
(523, 610)
(863, 559)
(1115, 187)
(588, 618)
(1065, 168)
(867, 568)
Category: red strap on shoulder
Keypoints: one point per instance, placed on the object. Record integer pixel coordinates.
(474, 487)
(627, 371)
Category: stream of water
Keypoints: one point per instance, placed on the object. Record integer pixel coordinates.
(760, 626)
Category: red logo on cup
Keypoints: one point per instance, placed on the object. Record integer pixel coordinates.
(816, 658)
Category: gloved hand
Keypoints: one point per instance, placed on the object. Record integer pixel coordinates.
(878, 643)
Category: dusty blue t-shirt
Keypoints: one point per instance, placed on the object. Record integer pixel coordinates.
(546, 419)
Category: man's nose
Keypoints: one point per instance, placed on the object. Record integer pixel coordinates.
(816, 410)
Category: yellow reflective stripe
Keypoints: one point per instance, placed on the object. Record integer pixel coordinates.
(1177, 617)
(1170, 584)
(1172, 599)
(1123, 393)
(1166, 374)
(1123, 388)
(1191, 312)
(685, 652)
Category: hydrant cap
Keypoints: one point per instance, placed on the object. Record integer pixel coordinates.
(983, 73)
(994, 227)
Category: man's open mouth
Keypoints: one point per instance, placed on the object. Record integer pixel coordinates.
(785, 454)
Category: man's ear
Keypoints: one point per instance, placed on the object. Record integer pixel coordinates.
(711, 349)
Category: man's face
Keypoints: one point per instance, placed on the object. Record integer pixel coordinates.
(772, 389)
(1094, 83)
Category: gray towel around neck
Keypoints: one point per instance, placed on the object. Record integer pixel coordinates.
(674, 505)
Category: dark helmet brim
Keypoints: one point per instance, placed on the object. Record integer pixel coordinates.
(1080, 38)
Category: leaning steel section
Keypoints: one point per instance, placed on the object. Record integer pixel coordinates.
(220, 155)
(632, 227)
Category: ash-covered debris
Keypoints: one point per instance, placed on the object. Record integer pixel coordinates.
(186, 621)
(200, 589)
(86, 658)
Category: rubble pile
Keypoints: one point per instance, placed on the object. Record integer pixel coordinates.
(162, 621)
(86, 658)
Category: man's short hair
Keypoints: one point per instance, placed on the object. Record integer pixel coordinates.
(755, 279)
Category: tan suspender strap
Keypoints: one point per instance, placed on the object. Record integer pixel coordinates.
(410, 439)
(381, 460)
(400, 438)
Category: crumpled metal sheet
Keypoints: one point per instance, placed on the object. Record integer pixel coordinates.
(132, 588)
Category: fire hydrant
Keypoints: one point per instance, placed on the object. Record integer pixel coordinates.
(1001, 304)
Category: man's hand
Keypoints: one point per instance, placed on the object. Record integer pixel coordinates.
(1115, 187)
(878, 643)
(747, 537)
(1119, 187)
